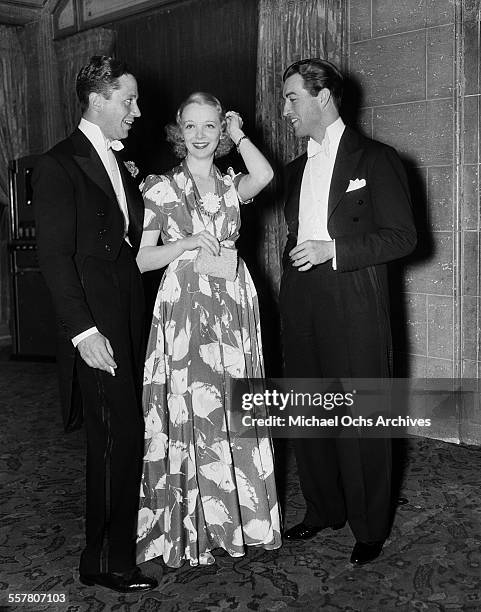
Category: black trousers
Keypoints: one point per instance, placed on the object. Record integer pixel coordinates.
(113, 415)
(335, 325)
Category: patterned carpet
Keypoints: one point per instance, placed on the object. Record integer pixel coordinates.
(431, 562)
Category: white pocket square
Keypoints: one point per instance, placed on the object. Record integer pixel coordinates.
(356, 184)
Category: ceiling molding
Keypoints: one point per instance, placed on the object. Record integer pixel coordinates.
(35, 4)
(20, 12)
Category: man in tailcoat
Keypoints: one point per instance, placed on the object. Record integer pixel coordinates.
(348, 213)
(89, 216)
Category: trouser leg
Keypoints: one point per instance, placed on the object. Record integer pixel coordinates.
(114, 454)
(316, 458)
(327, 335)
(365, 466)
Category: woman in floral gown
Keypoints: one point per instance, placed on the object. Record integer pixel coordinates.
(204, 486)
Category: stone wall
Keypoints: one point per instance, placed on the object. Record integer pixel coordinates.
(416, 63)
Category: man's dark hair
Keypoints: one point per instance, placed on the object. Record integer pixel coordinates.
(317, 74)
(100, 75)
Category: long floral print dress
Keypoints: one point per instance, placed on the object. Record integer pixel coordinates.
(203, 486)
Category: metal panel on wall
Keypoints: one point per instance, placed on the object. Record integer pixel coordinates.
(33, 321)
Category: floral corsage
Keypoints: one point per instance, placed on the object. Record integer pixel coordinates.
(132, 168)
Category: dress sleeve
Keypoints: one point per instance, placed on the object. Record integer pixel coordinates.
(155, 191)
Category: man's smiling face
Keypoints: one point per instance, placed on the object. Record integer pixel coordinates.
(118, 112)
(301, 110)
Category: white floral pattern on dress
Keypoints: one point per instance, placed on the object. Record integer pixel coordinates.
(204, 486)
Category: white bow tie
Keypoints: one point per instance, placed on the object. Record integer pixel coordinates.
(313, 147)
(116, 145)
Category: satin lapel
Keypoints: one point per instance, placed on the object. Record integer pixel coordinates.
(134, 200)
(348, 155)
(294, 193)
(91, 164)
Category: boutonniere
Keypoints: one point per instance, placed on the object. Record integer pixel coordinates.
(132, 168)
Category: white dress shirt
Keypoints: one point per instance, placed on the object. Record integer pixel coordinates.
(104, 149)
(316, 183)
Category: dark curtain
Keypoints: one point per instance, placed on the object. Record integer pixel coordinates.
(208, 45)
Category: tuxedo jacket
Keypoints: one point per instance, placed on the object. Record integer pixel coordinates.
(369, 215)
(369, 207)
(77, 216)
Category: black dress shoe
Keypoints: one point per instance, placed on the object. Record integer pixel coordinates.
(129, 582)
(305, 532)
(365, 552)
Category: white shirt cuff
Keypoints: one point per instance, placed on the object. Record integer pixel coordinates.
(334, 262)
(88, 332)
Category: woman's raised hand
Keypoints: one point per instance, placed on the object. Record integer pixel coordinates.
(234, 125)
(202, 240)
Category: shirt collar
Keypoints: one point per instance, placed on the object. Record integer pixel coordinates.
(96, 136)
(330, 142)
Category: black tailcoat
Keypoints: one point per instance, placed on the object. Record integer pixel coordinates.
(94, 281)
(77, 217)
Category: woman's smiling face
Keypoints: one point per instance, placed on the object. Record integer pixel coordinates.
(201, 129)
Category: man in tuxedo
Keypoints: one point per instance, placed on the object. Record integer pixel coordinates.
(348, 213)
(89, 216)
